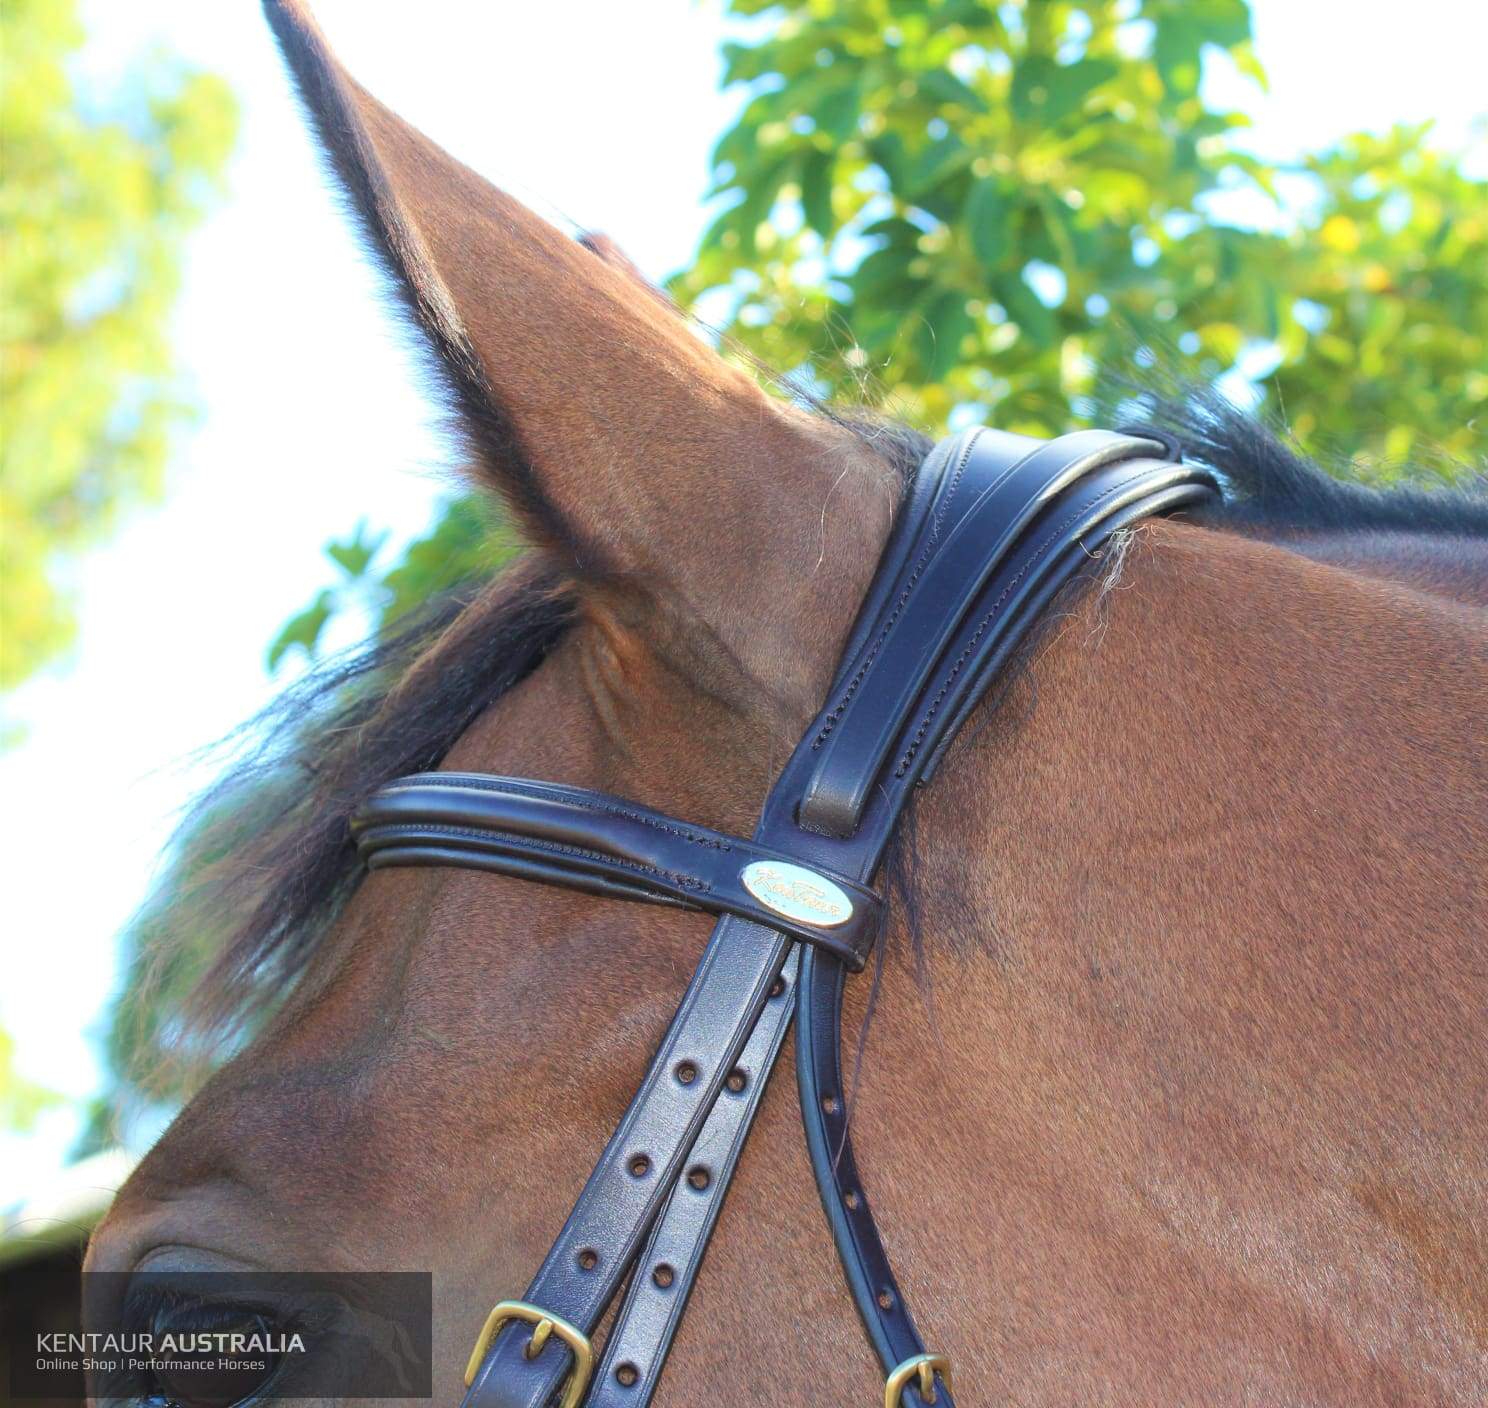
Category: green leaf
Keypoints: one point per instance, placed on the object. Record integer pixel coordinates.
(354, 555)
(743, 219)
(895, 230)
(742, 62)
(303, 630)
(943, 86)
(889, 152)
(1176, 48)
(1037, 323)
(816, 193)
(1048, 92)
(883, 276)
(1225, 23)
(836, 112)
(979, 13)
(934, 163)
(989, 221)
(943, 327)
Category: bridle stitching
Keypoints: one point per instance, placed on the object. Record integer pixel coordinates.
(690, 882)
(716, 843)
(970, 647)
(852, 686)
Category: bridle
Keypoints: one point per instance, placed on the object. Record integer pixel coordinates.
(992, 526)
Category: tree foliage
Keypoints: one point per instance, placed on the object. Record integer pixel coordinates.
(468, 541)
(968, 205)
(964, 210)
(95, 201)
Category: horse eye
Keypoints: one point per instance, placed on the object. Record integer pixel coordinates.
(207, 1371)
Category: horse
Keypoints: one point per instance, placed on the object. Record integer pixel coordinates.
(1175, 1088)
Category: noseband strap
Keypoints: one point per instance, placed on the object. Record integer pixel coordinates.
(992, 527)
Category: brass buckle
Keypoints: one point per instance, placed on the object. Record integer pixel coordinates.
(545, 1323)
(923, 1366)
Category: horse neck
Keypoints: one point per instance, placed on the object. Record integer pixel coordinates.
(1202, 907)
(1452, 568)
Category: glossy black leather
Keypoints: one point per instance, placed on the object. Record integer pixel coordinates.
(616, 1210)
(651, 1311)
(977, 518)
(588, 841)
(992, 527)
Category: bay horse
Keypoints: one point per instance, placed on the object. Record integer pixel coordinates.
(1177, 1072)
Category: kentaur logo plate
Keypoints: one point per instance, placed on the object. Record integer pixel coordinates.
(797, 893)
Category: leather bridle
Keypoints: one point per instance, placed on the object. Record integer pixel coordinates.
(992, 526)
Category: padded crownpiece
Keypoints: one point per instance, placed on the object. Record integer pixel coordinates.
(1007, 512)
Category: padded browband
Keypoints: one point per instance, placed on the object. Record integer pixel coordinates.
(991, 528)
(602, 845)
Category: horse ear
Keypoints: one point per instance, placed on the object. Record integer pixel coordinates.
(603, 247)
(626, 446)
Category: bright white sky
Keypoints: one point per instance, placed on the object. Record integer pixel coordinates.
(311, 415)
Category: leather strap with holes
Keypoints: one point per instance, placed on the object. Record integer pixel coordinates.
(993, 525)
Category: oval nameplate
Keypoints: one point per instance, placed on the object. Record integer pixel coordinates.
(797, 893)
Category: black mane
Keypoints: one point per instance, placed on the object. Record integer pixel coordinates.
(1270, 489)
